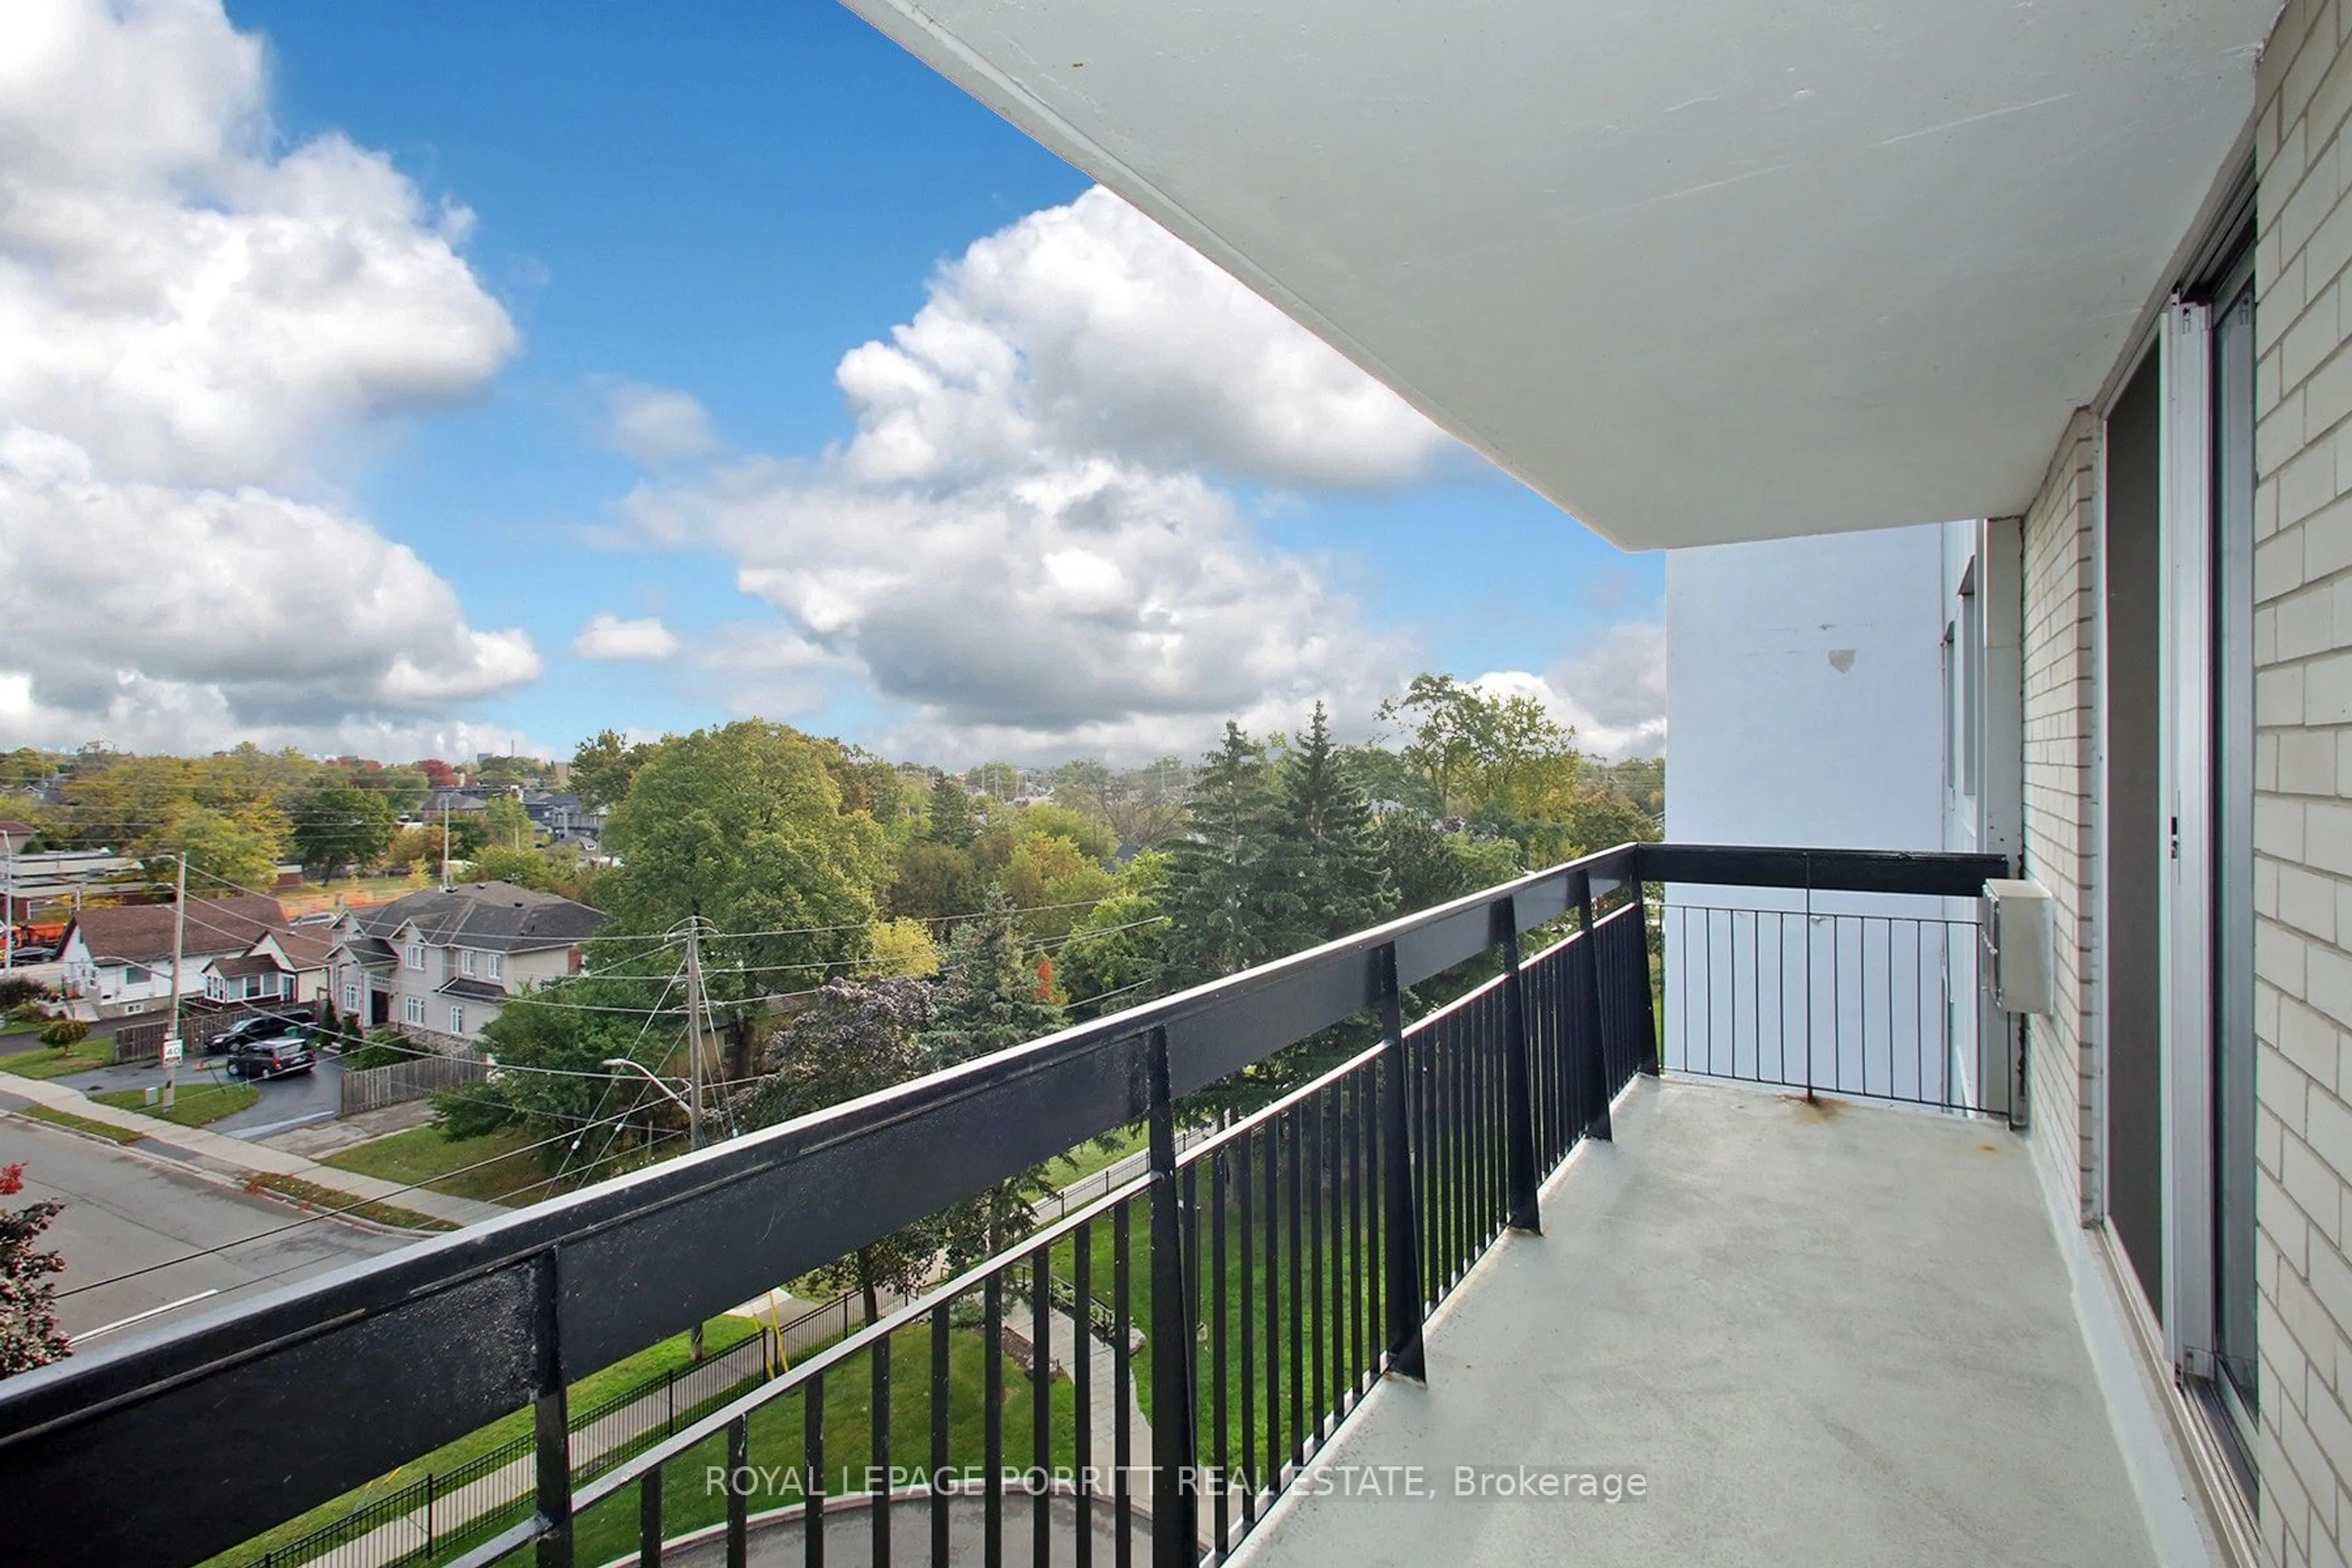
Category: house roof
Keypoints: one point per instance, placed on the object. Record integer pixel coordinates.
(244, 965)
(477, 990)
(1695, 273)
(303, 949)
(499, 916)
(142, 934)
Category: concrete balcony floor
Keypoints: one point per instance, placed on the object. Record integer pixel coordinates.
(1826, 1335)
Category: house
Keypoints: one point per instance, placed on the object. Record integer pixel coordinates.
(118, 962)
(289, 966)
(443, 962)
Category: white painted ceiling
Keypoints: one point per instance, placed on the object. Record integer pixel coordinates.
(1711, 270)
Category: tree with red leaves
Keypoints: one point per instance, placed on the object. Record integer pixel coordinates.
(28, 1298)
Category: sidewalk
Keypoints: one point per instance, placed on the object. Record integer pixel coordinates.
(240, 1159)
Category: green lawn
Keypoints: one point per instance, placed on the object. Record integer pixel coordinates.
(498, 1167)
(778, 1428)
(719, 1334)
(52, 1063)
(1095, 1155)
(192, 1104)
(80, 1123)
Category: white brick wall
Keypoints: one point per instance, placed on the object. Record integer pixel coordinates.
(2303, 769)
(2061, 630)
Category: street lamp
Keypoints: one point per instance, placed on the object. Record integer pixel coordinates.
(693, 1141)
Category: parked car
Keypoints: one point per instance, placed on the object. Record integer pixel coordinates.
(262, 1026)
(34, 952)
(280, 1058)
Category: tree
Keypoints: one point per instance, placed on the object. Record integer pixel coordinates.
(951, 816)
(1116, 952)
(1329, 865)
(523, 868)
(935, 881)
(989, 996)
(550, 1047)
(998, 781)
(1428, 866)
(506, 825)
(440, 775)
(1051, 880)
(603, 767)
(743, 827)
(336, 826)
(1217, 876)
(855, 1038)
(30, 1336)
(243, 851)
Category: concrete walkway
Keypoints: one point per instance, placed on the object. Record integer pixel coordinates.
(1822, 1334)
(240, 1158)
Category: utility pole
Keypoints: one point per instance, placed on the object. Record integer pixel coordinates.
(694, 1050)
(444, 842)
(179, 949)
(8, 911)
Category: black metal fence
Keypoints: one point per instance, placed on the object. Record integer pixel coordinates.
(1256, 1285)
(1878, 1005)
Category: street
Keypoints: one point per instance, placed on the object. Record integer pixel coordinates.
(126, 1211)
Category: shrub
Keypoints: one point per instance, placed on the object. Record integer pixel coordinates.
(17, 991)
(61, 1033)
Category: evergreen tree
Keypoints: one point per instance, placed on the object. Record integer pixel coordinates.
(951, 817)
(1327, 874)
(1218, 873)
(990, 996)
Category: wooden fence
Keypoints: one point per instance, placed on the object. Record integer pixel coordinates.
(375, 1088)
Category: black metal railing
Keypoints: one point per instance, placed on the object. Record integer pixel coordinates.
(1257, 1284)
(1847, 1001)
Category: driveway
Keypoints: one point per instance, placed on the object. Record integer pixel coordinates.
(285, 1102)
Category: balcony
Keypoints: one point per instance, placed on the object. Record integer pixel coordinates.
(1807, 1322)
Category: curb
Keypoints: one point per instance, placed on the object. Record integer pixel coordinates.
(248, 1187)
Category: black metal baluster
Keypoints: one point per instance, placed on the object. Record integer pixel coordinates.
(1217, 1186)
(1123, 1385)
(1175, 1447)
(1596, 1078)
(992, 1425)
(552, 1424)
(1244, 1200)
(1403, 1277)
(1041, 1404)
(1272, 1344)
(813, 1457)
(649, 1519)
(1311, 1112)
(1294, 1306)
(739, 1500)
(878, 1453)
(1082, 1283)
(1358, 1301)
(941, 1485)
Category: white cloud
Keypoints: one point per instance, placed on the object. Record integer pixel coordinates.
(1088, 328)
(607, 636)
(657, 425)
(1024, 546)
(192, 316)
(1613, 691)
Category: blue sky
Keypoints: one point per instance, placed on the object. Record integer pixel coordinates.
(722, 201)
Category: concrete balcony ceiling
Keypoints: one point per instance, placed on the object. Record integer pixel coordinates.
(1695, 273)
